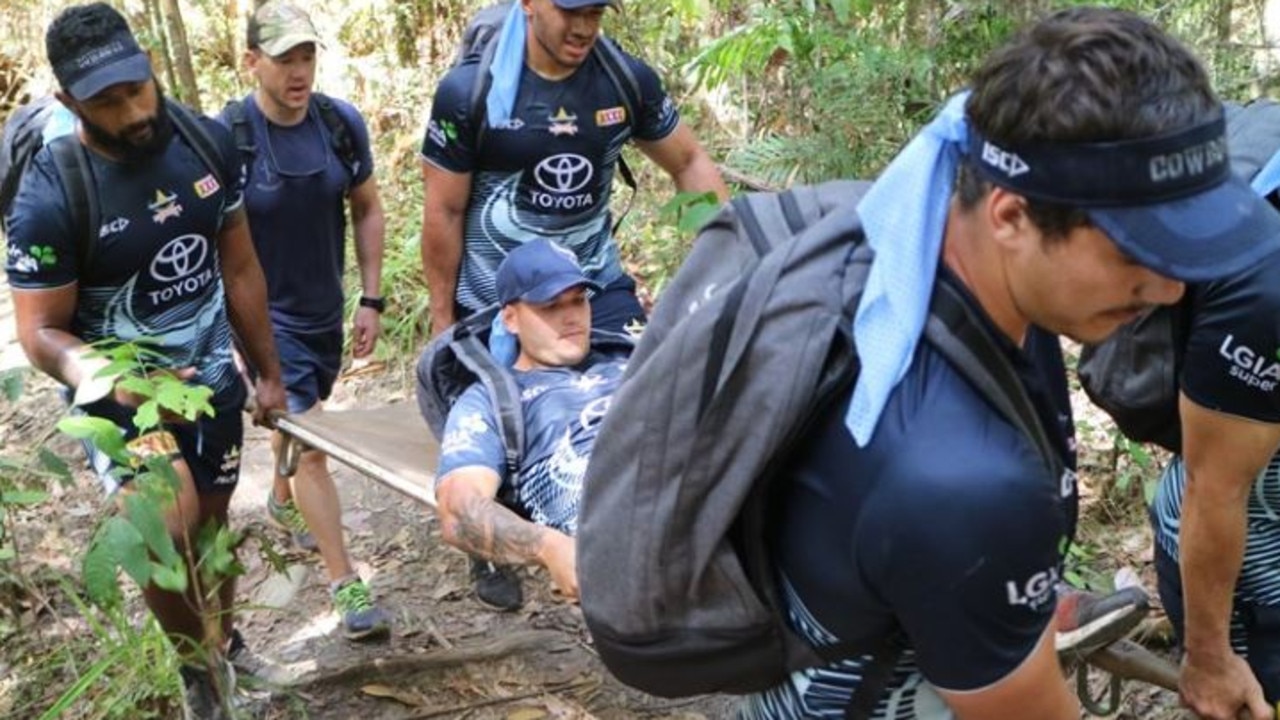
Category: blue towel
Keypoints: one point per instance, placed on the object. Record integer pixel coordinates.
(61, 122)
(1268, 178)
(502, 344)
(904, 215)
(508, 63)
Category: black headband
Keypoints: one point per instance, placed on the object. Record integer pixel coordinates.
(1118, 173)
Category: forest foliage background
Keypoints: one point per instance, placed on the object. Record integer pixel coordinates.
(782, 91)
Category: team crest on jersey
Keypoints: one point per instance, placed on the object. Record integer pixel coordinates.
(164, 206)
(206, 186)
(562, 123)
(608, 117)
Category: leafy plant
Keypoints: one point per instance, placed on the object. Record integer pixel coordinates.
(138, 541)
(1134, 463)
(689, 211)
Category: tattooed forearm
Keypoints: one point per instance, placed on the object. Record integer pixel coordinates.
(483, 527)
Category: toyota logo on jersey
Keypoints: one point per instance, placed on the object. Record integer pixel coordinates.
(564, 173)
(181, 267)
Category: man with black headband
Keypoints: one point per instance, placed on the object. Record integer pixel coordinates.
(172, 263)
(1080, 181)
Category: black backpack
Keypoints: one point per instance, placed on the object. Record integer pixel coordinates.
(749, 344)
(479, 44)
(1133, 375)
(459, 357)
(23, 138)
(23, 135)
(340, 136)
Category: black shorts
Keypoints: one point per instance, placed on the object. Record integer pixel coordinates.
(309, 365)
(211, 446)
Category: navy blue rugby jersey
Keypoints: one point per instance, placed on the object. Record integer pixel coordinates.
(154, 271)
(563, 409)
(296, 199)
(947, 525)
(546, 172)
(1232, 365)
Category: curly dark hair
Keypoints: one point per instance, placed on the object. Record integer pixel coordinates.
(1085, 74)
(81, 26)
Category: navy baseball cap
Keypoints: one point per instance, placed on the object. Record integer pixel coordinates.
(86, 69)
(575, 4)
(538, 271)
(1170, 202)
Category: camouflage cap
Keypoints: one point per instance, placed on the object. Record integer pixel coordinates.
(278, 27)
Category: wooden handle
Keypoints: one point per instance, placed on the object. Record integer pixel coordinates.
(1129, 660)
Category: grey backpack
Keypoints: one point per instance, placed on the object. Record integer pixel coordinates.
(747, 346)
(1133, 374)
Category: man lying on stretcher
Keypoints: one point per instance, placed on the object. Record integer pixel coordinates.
(565, 389)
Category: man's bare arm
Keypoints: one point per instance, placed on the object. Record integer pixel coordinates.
(444, 205)
(471, 519)
(686, 161)
(1223, 455)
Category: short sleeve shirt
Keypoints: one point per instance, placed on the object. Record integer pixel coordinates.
(1232, 365)
(563, 409)
(296, 201)
(546, 172)
(948, 526)
(154, 270)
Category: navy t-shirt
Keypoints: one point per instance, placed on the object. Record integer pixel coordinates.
(546, 172)
(563, 409)
(155, 271)
(295, 197)
(1232, 365)
(948, 526)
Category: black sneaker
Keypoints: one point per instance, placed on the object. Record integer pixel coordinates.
(1087, 622)
(202, 697)
(497, 586)
(248, 664)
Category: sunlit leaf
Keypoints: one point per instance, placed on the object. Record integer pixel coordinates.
(23, 497)
(11, 382)
(147, 415)
(173, 579)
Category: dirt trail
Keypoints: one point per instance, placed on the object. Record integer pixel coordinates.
(448, 657)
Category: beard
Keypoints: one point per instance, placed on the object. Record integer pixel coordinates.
(131, 151)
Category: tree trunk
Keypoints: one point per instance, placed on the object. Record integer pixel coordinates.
(1266, 61)
(156, 21)
(189, 90)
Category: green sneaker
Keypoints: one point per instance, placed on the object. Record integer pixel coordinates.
(289, 518)
(361, 619)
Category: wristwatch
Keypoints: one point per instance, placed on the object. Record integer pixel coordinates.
(377, 303)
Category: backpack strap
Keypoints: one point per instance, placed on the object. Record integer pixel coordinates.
(72, 161)
(476, 110)
(619, 72)
(197, 135)
(745, 206)
(238, 116)
(503, 392)
(955, 330)
(340, 135)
